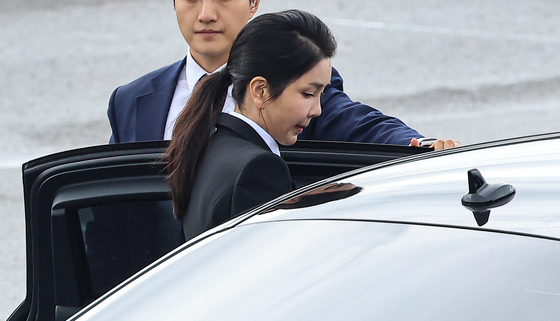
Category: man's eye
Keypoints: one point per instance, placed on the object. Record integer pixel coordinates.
(308, 95)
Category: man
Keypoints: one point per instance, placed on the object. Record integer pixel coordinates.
(146, 109)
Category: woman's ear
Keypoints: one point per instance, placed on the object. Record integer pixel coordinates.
(258, 88)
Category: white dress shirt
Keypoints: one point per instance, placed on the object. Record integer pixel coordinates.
(188, 78)
(272, 144)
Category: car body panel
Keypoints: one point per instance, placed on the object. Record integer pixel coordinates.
(346, 270)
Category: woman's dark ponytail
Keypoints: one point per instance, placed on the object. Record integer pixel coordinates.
(191, 136)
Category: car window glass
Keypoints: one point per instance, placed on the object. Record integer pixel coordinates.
(120, 239)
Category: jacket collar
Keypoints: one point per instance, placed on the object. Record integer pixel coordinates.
(153, 106)
(242, 129)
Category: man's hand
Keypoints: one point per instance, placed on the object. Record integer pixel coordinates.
(438, 144)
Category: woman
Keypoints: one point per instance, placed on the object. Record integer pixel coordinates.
(278, 65)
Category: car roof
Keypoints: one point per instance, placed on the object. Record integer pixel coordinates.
(428, 189)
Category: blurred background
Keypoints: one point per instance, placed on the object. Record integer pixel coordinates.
(472, 71)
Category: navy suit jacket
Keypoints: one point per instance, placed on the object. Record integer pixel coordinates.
(138, 112)
(237, 172)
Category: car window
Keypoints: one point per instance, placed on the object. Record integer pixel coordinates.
(122, 238)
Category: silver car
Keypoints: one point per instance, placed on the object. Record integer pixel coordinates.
(470, 233)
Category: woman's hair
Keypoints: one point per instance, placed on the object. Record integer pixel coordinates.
(281, 47)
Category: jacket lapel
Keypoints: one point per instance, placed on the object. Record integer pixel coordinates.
(242, 129)
(152, 107)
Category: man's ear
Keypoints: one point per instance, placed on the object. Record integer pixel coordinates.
(254, 7)
(258, 89)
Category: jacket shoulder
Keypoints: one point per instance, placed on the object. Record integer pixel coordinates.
(146, 80)
(123, 101)
(263, 178)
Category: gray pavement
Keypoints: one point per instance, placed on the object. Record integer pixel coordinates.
(472, 71)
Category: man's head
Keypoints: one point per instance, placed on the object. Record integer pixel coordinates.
(211, 26)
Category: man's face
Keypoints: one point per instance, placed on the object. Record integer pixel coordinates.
(211, 26)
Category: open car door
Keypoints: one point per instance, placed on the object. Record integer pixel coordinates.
(95, 216)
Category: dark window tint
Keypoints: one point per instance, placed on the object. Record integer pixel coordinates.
(120, 239)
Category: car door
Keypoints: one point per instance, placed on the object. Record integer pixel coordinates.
(95, 216)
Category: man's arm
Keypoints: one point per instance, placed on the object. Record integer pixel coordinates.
(345, 120)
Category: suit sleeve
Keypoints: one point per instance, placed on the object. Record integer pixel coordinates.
(112, 119)
(265, 177)
(345, 120)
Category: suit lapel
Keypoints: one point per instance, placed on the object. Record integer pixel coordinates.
(152, 107)
(242, 129)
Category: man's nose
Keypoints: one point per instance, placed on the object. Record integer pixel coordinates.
(207, 12)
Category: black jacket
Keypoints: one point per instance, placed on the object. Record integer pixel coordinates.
(237, 172)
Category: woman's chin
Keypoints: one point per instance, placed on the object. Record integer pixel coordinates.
(288, 142)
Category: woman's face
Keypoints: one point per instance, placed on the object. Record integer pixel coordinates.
(285, 117)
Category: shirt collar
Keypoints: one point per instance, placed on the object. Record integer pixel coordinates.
(272, 144)
(194, 72)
